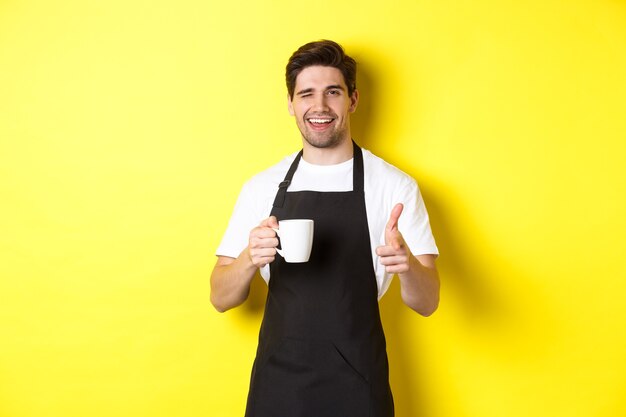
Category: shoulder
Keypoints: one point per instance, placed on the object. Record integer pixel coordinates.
(269, 178)
(383, 174)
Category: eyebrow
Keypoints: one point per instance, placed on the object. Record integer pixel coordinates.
(330, 87)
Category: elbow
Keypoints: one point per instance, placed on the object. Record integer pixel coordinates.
(220, 309)
(223, 303)
(421, 293)
(219, 305)
(423, 307)
(427, 311)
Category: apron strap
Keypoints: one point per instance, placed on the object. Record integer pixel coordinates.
(282, 187)
(357, 169)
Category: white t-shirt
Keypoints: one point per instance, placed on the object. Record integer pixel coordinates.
(384, 187)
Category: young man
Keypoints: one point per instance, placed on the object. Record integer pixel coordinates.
(321, 346)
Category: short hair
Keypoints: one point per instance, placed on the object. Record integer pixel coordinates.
(325, 53)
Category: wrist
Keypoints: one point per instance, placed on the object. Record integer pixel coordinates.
(413, 265)
(246, 259)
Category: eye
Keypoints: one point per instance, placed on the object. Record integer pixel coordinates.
(333, 92)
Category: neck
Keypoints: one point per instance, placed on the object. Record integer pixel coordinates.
(342, 152)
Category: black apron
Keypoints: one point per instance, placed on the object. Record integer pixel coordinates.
(321, 346)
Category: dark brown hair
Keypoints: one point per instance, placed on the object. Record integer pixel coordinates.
(326, 53)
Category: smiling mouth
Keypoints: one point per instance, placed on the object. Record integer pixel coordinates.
(320, 122)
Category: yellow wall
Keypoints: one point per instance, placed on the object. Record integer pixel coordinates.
(128, 127)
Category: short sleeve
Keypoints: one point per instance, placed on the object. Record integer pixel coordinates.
(244, 218)
(414, 222)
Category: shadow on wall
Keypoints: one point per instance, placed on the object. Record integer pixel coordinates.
(364, 116)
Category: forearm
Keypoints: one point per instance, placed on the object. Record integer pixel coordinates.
(230, 281)
(420, 285)
(231, 278)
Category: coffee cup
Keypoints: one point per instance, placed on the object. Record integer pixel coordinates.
(296, 239)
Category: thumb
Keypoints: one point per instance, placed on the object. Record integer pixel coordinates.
(396, 241)
(392, 224)
(270, 222)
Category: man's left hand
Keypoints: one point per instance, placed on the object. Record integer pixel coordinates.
(395, 254)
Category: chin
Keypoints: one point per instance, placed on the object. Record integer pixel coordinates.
(322, 143)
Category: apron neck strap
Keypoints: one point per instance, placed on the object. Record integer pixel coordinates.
(357, 169)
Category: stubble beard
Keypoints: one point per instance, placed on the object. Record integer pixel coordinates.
(328, 141)
(322, 140)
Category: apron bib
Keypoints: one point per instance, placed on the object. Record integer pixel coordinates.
(322, 349)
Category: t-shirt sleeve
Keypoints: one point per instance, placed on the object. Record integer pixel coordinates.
(414, 223)
(245, 217)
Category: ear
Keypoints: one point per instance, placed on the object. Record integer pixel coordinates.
(290, 105)
(354, 101)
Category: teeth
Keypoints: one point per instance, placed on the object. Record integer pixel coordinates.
(320, 120)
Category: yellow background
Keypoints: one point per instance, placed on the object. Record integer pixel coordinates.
(128, 127)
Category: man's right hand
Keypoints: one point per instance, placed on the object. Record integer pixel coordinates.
(231, 277)
(262, 242)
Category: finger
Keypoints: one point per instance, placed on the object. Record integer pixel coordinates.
(397, 269)
(388, 250)
(264, 261)
(262, 257)
(259, 243)
(392, 224)
(393, 260)
(263, 253)
(394, 239)
(263, 232)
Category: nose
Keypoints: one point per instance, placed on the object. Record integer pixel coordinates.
(320, 103)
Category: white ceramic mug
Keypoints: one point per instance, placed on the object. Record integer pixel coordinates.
(296, 239)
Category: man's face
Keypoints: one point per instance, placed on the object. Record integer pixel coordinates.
(322, 106)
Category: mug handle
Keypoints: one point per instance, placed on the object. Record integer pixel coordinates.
(280, 251)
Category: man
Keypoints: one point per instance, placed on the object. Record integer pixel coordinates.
(321, 346)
